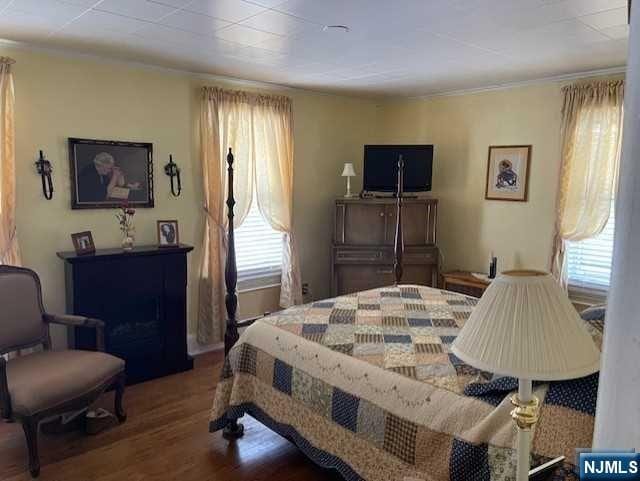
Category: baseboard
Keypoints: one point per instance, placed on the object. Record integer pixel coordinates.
(194, 348)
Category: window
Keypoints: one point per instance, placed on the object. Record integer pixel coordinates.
(589, 261)
(258, 251)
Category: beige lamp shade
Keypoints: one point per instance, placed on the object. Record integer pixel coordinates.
(348, 170)
(525, 326)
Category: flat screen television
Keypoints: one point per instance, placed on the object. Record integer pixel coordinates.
(381, 167)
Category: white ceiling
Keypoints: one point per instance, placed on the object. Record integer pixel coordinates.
(397, 47)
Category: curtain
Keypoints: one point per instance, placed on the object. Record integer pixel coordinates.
(273, 129)
(259, 130)
(591, 139)
(9, 252)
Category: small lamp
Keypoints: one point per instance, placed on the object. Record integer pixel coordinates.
(526, 327)
(348, 172)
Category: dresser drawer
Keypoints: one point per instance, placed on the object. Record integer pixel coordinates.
(359, 255)
(420, 255)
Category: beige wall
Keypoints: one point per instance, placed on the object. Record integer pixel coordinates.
(59, 96)
(462, 128)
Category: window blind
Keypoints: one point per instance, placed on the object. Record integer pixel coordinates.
(589, 261)
(258, 247)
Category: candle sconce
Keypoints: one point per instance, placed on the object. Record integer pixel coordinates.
(172, 170)
(43, 166)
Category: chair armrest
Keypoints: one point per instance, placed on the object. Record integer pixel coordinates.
(79, 321)
(5, 399)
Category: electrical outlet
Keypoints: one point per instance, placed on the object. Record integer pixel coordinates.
(305, 288)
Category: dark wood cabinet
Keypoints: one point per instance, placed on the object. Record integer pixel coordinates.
(364, 233)
(141, 296)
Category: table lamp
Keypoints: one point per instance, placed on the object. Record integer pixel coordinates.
(348, 172)
(525, 326)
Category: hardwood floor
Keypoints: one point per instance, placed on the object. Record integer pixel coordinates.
(165, 437)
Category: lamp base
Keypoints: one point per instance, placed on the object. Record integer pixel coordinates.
(525, 415)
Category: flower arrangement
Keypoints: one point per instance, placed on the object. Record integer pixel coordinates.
(125, 220)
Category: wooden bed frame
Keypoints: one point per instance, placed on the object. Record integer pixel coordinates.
(235, 430)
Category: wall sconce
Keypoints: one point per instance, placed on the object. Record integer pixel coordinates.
(44, 168)
(172, 170)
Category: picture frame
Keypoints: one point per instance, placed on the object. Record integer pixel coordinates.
(508, 168)
(83, 243)
(107, 173)
(168, 233)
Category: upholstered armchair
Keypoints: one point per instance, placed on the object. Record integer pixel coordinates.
(47, 383)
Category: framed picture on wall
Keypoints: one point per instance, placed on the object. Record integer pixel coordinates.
(508, 172)
(107, 173)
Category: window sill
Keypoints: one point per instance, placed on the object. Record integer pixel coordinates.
(588, 295)
(254, 283)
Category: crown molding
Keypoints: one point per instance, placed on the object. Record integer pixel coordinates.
(234, 81)
(257, 84)
(525, 83)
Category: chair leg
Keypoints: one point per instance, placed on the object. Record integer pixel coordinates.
(120, 413)
(30, 428)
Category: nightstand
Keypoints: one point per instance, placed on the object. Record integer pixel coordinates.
(464, 282)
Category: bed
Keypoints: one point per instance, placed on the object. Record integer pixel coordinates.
(366, 384)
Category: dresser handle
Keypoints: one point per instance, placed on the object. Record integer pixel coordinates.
(381, 214)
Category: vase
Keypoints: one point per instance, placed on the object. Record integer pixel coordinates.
(128, 240)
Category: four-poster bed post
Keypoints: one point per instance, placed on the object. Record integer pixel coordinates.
(230, 268)
(398, 246)
(233, 429)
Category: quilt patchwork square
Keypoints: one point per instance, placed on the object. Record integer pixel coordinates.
(368, 338)
(312, 392)
(408, 371)
(418, 322)
(368, 307)
(338, 334)
(264, 367)
(342, 316)
(390, 294)
(324, 304)
(344, 409)
(368, 349)
(282, 374)
(390, 320)
(314, 328)
(247, 359)
(400, 438)
(461, 315)
(415, 307)
(371, 422)
(578, 394)
(448, 339)
(469, 461)
(428, 348)
(410, 293)
(397, 339)
(444, 323)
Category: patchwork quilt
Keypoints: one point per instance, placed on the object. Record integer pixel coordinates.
(366, 384)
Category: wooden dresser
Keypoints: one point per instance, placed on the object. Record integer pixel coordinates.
(364, 233)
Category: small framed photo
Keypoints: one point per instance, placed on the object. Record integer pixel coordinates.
(168, 234)
(508, 173)
(83, 243)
